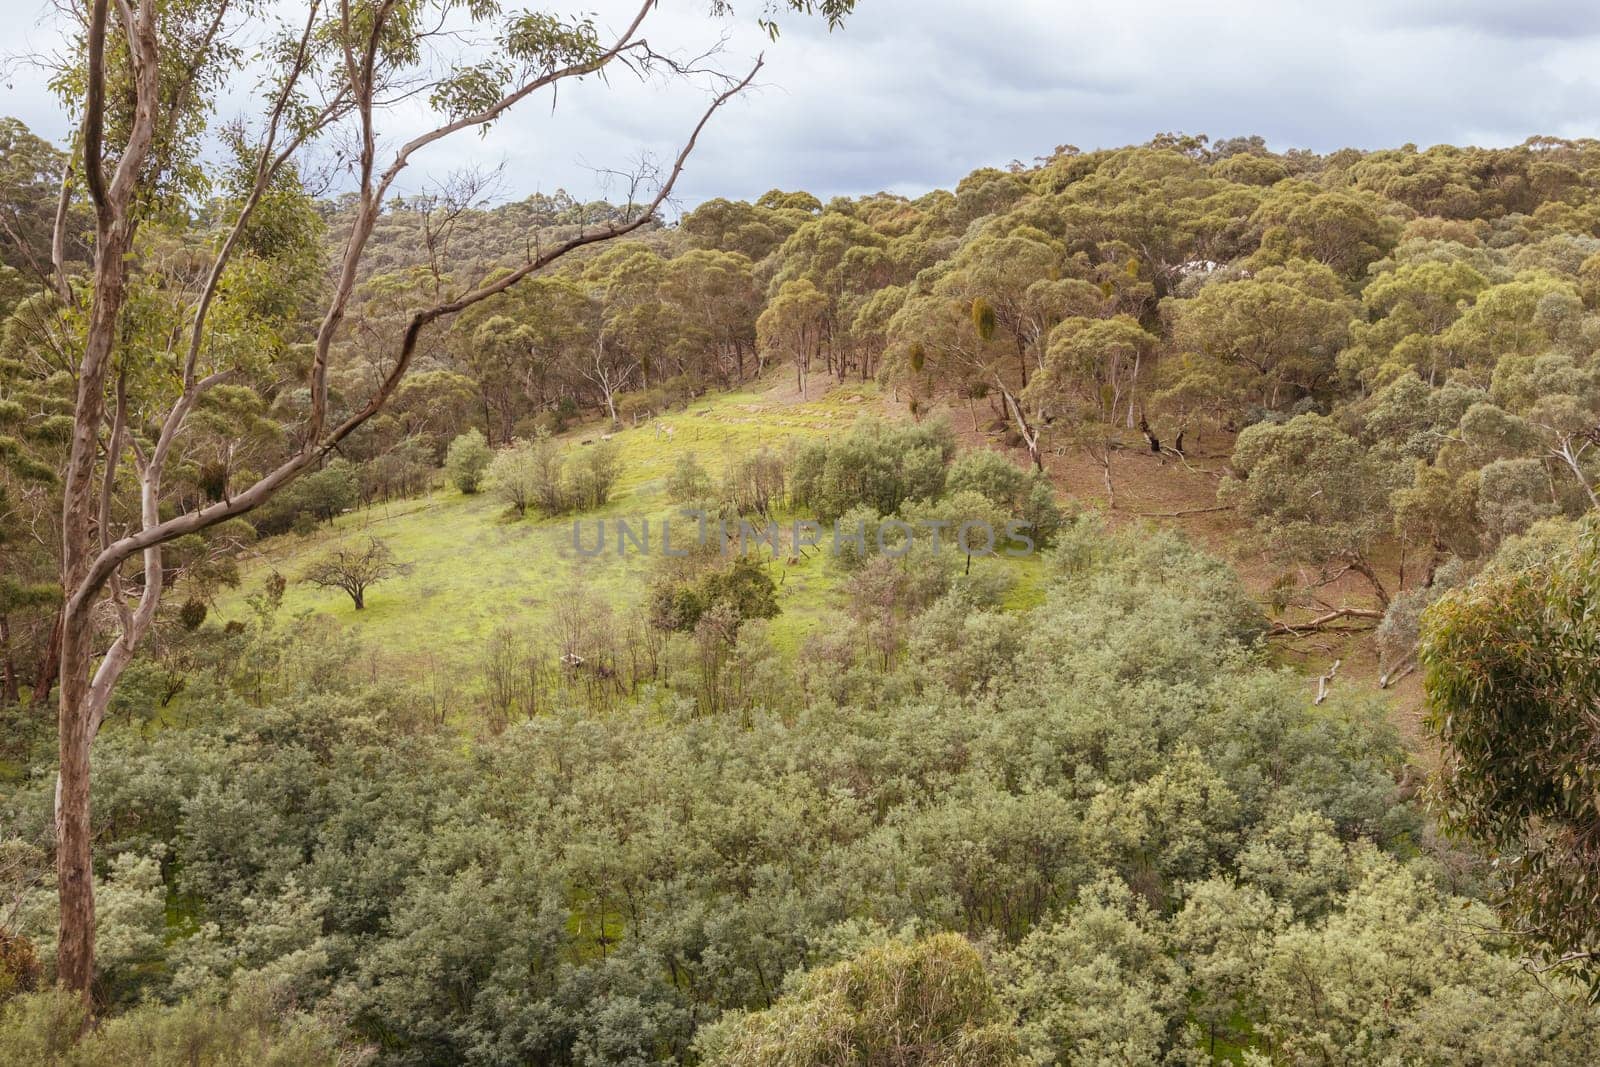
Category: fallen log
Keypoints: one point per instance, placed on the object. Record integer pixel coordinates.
(1181, 514)
(1324, 623)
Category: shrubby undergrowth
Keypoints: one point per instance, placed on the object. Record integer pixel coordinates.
(1125, 836)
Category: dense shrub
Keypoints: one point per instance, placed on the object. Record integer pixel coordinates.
(743, 584)
(877, 463)
(592, 472)
(467, 461)
(249, 1027)
(537, 474)
(928, 1002)
(688, 481)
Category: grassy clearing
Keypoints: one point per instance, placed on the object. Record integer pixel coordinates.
(475, 567)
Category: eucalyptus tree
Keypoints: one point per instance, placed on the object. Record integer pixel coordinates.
(1010, 273)
(1283, 326)
(936, 335)
(35, 426)
(1317, 497)
(717, 300)
(1523, 317)
(635, 326)
(30, 173)
(1092, 376)
(502, 353)
(526, 347)
(869, 330)
(1511, 686)
(1143, 215)
(354, 568)
(1408, 310)
(1344, 231)
(753, 230)
(793, 327)
(981, 323)
(840, 257)
(140, 80)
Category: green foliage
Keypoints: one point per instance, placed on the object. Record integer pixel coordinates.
(1513, 494)
(674, 861)
(16, 596)
(592, 474)
(247, 1027)
(755, 485)
(1098, 830)
(537, 474)
(793, 326)
(19, 966)
(992, 476)
(193, 613)
(689, 481)
(1509, 679)
(927, 1002)
(742, 585)
(320, 496)
(1314, 494)
(1412, 947)
(467, 461)
(983, 321)
(878, 464)
(1093, 367)
(30, 175)
(519, 472)
(1280, 329)
(1043, 515)
(1098, 984)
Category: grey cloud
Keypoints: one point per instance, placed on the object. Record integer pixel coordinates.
(916, 93)
(1497, 18)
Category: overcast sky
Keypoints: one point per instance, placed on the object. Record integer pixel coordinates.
(913, 94)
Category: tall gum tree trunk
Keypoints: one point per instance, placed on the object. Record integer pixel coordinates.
(74, 865)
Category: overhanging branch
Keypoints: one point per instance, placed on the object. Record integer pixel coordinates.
(155, 533)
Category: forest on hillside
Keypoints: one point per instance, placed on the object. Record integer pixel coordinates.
(1391, 347)
(317, 747)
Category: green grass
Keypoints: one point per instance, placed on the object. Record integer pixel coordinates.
(475, 567)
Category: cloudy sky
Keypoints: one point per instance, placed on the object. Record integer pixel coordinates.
(913, 94)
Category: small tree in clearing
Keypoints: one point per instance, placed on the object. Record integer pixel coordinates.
(688, 480)
(355, 567)
(514, 475)
(467, 461)
(530, 474)
(594, 472)
(549, 493)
